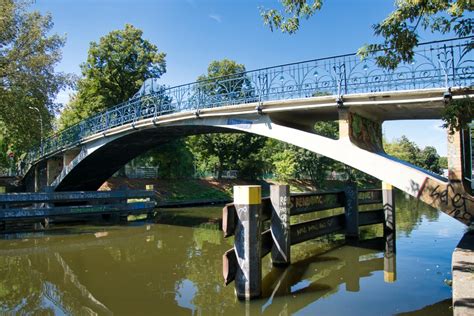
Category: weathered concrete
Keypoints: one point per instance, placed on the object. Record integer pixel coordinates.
(463, 276)
(280, 224)
(53, 169)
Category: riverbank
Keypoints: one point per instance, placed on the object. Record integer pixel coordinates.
(201, 191)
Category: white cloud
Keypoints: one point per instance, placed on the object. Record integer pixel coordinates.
(216, 17)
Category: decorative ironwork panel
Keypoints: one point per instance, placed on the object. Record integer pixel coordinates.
(437, 64)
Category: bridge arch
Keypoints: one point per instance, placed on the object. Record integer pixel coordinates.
(103, 156)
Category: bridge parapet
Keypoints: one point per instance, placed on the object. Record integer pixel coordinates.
(439, 64)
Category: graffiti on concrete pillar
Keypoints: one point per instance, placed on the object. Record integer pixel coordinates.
(365, 133)
(450, 198)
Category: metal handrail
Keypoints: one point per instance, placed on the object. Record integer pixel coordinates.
(437, 64)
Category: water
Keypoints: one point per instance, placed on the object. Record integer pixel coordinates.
(175, 268)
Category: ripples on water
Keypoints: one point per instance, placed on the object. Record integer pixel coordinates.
(174, 267)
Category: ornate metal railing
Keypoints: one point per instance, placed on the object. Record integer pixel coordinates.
(437, 64)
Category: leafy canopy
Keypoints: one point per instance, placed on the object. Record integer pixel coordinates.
(115, 69)
(28, 80)
(399, 29)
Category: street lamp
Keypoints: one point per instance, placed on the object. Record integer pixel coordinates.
(41, 126)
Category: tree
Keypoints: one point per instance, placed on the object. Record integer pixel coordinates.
(399, 29)
(173, 159)
(225, 151)
(407, 150)
(28, 81)
(115, 69)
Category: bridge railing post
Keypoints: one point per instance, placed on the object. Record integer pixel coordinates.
(248, 242)
(351, 211)
(280, 224)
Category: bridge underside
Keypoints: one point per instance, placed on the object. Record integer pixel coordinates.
(100, 165)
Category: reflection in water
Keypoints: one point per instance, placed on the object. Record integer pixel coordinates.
(175, 269)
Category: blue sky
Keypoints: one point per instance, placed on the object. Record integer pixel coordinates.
(194, 32)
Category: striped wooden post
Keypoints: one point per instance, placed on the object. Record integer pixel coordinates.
(388, 201)
(248, 242)
(280, 224)
(388, 198)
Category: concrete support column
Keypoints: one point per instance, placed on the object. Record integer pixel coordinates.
(248, 242)
(54, 166)
(351, 211)
(69, 156)
(280, 224)
(37, 178)
(344, 129)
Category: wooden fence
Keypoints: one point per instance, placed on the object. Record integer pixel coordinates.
(245, 219)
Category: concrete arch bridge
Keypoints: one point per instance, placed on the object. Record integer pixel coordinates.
(284, 102)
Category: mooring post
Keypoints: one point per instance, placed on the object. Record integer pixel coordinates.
(248, 242)
(149, 187)
(351, 211)
(280, 224)
(388, 201)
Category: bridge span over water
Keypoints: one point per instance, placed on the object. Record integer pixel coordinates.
(284, 102)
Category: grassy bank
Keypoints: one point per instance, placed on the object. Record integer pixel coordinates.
(204, 189)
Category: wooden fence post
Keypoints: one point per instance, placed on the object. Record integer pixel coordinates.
(280, 224)
(351, 211)
(248, 241)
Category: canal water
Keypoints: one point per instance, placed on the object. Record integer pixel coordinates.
(174, 267)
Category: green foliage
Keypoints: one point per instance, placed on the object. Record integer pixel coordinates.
(457, 114)
(173, 159)
(288, 20)
(219, 152)
(408, 151)
(28, 82)
(399, 29)
(115, 69)
(285, 164)
(443, 162)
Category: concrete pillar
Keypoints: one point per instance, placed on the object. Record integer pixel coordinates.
(54, 166)
(248, 242)
(351, 211)
(280, 224)
(388, 198)
(37, 178)
(69, 156)
(344, 131)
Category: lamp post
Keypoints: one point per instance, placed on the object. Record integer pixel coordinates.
(41, 126)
